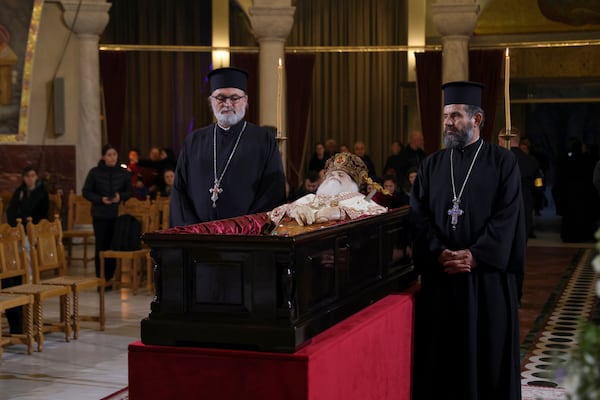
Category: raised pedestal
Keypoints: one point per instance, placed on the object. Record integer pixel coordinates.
(366, 356)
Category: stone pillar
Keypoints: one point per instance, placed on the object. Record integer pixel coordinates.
(87, 19)
(455, 20)
(272, 24)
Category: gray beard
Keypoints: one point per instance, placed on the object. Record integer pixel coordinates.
(229, 119)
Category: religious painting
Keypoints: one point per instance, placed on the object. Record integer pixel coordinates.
(19, 23)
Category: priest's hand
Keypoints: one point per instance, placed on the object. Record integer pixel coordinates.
(457, 261)
(328, 214)
(304, 215)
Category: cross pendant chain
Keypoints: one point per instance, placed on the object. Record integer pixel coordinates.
(215, 190)
(455, 212)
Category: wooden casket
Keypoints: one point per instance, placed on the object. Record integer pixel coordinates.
(224, 284)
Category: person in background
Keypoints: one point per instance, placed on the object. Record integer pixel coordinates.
(231, 167)
(106, 185)
(574, 194)
(361, 151)
(30, 199)
(409, 180)
(331, 147)
(318, 158)
(398, 197)
(469, 247)
(310, 185)
(392, 164)
(412, 155)
(168, 178)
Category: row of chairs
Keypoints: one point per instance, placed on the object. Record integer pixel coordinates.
(153, 215)
(47, 258)
(55, 204)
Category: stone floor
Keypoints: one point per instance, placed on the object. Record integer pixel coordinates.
(91, 367)
(95, 365)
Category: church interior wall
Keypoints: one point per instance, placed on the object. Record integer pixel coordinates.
(53, 155)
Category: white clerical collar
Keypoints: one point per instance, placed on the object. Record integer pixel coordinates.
(222, 127)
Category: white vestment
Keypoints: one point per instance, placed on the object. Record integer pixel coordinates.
(327, 208)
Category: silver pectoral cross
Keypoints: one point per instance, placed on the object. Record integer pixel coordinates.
(455, 212)
(215, 190)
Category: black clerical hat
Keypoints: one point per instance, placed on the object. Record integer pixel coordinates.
(462, 92)
(228, 77)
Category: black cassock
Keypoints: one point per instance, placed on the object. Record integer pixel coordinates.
(467, 324)
(253, 182)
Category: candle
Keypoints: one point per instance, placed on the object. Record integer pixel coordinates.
(279, 89)
(507, 91)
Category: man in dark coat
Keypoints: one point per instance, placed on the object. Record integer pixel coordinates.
(469, 249)
(30, 199)
(229, 168)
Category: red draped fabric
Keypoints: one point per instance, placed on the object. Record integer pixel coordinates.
(429, 80)
(113, 74)
(485, 66)
(299, 76)
(366, 356)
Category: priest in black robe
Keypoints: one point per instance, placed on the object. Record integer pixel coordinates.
(469, 250)
(229, 168)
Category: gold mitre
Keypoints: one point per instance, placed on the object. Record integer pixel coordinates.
(350, 164)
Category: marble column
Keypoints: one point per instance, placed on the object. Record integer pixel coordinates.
(87, 19)
(455, 20)
(272, 24)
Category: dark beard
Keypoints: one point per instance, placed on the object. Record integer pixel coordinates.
(458, 139)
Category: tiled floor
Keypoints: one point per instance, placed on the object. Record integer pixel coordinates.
(91, 367)
(95, 365)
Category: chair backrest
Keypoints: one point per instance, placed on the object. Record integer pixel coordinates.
(144, 211)
(2, 218)
(47, 251)
(55, 205)
(79, 212)
(162, 204)
(6, 196)
(13, 256)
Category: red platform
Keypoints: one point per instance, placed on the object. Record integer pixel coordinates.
(366, 356)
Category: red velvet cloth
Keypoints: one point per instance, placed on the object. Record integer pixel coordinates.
(244, 225)
(366, 356)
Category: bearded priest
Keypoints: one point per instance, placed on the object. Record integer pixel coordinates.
(469, 250)
(231, 167)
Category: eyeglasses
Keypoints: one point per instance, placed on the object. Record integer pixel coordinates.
(223, 99)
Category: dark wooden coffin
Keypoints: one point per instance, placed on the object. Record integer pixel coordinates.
(270, 292)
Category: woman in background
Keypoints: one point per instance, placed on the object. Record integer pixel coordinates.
(105, 187)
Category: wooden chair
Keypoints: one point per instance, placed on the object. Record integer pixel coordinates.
(146, 212)
(8, 301)
(5, 196)
(14, 263)
(47, 256)
(79, 214)
(162, 204)
(54, 205)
